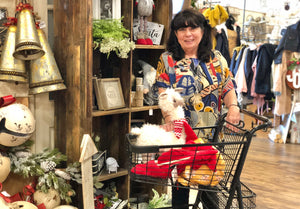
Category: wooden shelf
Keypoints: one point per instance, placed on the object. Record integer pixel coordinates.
(150, 46)
(144, 108)
(107, 176)
(98, 113)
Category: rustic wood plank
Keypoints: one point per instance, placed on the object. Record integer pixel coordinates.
(73, 52)
(88, 149)
(163, 15)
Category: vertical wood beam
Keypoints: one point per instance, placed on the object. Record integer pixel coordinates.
(73, 53)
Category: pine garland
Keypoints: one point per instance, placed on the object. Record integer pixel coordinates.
(43, 166)
(293, 63)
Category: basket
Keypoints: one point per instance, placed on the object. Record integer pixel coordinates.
(220, 200)
(212, 168)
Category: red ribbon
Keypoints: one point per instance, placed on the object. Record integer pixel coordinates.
(22, 6)
(28, 191)
(10, 21)
(14, 198)
(7, 100)
(41, 206)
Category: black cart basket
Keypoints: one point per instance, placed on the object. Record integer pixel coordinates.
(212, 164)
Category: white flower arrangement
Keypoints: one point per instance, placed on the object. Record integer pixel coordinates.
(111, 36)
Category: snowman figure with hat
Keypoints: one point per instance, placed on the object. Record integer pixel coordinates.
(144, 9)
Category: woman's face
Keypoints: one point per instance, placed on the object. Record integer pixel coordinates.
(189, 38)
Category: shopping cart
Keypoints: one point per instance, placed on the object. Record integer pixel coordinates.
(213, 168)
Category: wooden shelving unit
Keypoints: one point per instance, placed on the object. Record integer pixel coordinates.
(78, 63)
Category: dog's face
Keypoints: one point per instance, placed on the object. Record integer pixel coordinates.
(171, 97)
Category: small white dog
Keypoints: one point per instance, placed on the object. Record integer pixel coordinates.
(171, 103)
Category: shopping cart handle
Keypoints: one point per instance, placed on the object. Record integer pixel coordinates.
(256, 116)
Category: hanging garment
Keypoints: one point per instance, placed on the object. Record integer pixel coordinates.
(249, 60)
(222, 45)
(258, 99)
(240, 79)
(216, 15)
(238, 61)
(265, 58)
(283, 93)
(290, 41)
(232, 41)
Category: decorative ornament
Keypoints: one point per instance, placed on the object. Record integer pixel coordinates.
(31, 166)
(23, 205)
(63, 174)
(112, 164)
(293, 74)
(7, 100)
(48, 165)
(17, 125)
(51, 199)
(4, 168)
(65, 207)
(16, 205)
(144, 8)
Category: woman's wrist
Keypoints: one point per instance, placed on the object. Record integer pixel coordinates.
(233, 105)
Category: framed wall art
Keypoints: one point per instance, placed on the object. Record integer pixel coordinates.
(110, 95)
(106, 9)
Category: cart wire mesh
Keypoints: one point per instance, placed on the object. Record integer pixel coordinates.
(211, 166)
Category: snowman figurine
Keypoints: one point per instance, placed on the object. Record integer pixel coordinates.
(144, 9)
(112, 165)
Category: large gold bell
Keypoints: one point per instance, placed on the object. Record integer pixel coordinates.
(44, 73)
(28, 46)
(11, 69)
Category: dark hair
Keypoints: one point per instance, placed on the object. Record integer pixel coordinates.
(190, 18)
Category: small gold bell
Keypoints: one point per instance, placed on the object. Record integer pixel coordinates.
(28, 46)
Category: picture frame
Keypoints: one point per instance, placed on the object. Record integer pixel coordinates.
(110, 95)
(97, 96)
(155, 31)
(106, 9)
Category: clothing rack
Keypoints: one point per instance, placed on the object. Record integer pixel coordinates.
(265, 40)
(211, 2)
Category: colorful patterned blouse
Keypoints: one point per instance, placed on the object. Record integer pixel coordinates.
(204, 84)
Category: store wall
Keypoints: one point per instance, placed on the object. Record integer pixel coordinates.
(40, 105)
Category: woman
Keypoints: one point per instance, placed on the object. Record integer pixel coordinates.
(203, 74)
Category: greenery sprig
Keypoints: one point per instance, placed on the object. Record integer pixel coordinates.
(158, 201)
(110, 35)
(293, 63)
(43, 167)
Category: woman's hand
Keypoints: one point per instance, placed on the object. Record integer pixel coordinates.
(233, 116)
(168, 126)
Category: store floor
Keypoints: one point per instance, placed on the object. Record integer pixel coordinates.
(272, 172)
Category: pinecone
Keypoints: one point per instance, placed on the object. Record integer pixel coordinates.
(62, 174)
(22, 154)
(48, 165)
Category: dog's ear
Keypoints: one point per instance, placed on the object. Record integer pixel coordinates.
(178, 90)
(162, 95)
